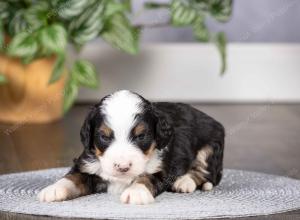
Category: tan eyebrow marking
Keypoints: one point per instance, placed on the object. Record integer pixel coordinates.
(150, 151)
(106, 130)
(98, 152)
(140, 128)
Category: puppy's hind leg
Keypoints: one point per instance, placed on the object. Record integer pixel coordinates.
(184, 184)
(198, 175)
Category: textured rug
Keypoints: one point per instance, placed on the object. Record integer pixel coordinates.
(240, 193)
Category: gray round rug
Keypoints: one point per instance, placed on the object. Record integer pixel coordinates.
(240, 193)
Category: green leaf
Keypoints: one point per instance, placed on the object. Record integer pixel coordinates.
(26, 60)
(53, 38)
(88, 24)
(156, 5)
(58, 69)
(182, 13)
(127, 4)
(18, 23)
(1, 36)
(201, 33)
(71, 92)
(23, 45)
(120, 34)
(220, 41)
(3, 79)
(36, 15)
(71, 8)
(4, 11)
(113, 7)
(221, 9)
(84, 73)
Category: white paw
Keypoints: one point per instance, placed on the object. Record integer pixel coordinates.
(184, 184)
(208, 186)
(137, 194)
(61, 190)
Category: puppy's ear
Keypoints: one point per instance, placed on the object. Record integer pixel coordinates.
(87, 129)
(164, 131)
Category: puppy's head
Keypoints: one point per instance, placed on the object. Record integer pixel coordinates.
(123, 132)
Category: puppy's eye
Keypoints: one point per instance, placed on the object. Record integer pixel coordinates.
(140, 137)
(105, 138)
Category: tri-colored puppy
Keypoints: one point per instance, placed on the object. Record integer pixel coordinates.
(140, 149)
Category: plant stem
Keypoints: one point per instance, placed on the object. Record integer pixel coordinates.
(156, 5)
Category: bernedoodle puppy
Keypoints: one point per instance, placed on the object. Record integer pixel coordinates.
(140, 149)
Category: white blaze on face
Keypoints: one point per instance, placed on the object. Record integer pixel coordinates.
(120, 110)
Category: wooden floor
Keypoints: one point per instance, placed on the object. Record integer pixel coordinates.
(264, 138)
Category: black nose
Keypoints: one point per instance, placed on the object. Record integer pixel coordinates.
(122, 168)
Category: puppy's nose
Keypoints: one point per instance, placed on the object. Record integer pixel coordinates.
(122, 168)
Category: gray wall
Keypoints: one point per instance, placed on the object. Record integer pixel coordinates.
(252, 21)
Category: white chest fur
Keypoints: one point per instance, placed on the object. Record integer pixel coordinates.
(116, 187)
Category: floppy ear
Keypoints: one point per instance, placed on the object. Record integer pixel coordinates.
(87, 129)
(164, 131)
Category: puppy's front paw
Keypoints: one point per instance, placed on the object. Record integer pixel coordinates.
(185, 184)
(208, 186)
(61, 190)
(137, 194)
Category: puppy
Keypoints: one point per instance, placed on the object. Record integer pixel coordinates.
(140, 149)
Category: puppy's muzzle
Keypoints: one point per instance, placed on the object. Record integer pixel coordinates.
(122, 168)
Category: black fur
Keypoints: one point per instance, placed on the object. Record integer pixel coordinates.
(87, 129)
(193, 130)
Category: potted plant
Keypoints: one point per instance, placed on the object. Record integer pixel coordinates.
(38, 83)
